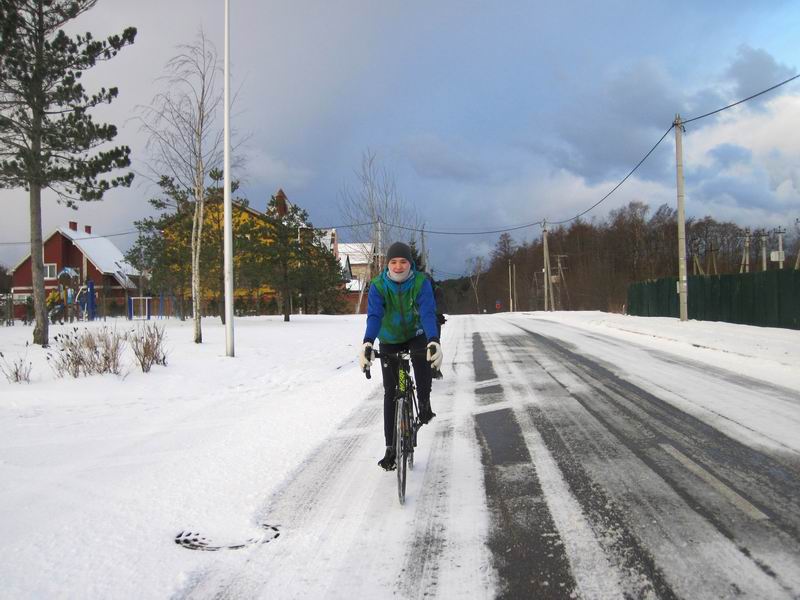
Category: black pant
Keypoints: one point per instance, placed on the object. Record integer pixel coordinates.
(422, 379)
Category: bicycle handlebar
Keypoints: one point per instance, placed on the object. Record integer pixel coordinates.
(386, 354)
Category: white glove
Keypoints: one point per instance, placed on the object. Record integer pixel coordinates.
(365, 356)
(434, 354)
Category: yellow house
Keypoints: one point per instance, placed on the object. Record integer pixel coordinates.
(247, 222)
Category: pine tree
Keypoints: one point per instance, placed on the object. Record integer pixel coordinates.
(47, 136)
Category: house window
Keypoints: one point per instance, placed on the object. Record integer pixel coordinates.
(49, 270)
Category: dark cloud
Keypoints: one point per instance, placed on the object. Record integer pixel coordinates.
(432, 158)
(726, 155)
(604, 131)
(751, 191)
(607, 129)
(754, 70)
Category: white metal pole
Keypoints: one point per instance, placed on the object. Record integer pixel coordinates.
(514, 280)
(510, 288)
(682, 280)
(229, 351)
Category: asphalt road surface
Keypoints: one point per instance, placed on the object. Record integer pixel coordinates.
(562, 464)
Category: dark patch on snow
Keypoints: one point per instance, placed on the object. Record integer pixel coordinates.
(195, 541)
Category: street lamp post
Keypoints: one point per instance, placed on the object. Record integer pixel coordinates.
(228, 237)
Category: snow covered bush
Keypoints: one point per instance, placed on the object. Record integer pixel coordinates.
(107, 346)
(18, 370)
(87, 352)
(147, 344)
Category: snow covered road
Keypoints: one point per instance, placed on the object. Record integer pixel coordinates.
(574, 455)
(562, 464)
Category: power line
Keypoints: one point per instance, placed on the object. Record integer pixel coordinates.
(121, 233)
(713, 112)
(525, 226)
(614, 189)
(441, 232)
(88, 237)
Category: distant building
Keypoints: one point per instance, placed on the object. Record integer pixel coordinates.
(93, 258)
(363, 267)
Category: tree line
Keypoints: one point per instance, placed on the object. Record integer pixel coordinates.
(599, 258)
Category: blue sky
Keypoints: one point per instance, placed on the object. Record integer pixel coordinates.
(487, 113)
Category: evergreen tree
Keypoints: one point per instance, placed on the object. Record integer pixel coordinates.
(163, 247)
(47, 136)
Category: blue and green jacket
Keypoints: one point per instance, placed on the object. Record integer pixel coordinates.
(398, 312)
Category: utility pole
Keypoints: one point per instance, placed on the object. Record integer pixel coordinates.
(228, 208)
(780, 231)
(797, 262)
(510, 288)
(548, 290)
(745, 266)
(682, 280)
(697, 268)
(563, 280)
(424, 252)
(762, 234)
(514, 279)
(379, 248)
(711, 259)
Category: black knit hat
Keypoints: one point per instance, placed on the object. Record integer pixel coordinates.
(399, 250)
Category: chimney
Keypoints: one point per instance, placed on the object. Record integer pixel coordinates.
(73, 225)
(87, 229)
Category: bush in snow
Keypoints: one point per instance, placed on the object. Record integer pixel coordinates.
(106, 347)
(86, 352)
(18, 370)
(147, 344)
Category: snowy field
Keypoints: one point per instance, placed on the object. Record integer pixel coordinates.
(98, 474)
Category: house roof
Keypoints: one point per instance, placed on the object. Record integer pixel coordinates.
(360, 253)
(344, 265)
(101, 252)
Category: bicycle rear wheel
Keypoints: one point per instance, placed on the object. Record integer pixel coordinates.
(400, 449)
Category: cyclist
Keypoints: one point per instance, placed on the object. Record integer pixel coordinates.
(401, 313)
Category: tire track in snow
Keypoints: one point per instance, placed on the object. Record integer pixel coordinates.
(643, 434)
(291, 507)
(527, 550)
(343, 533)
(419, 575)
(641, 417)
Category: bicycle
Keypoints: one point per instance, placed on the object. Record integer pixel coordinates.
(406, 417)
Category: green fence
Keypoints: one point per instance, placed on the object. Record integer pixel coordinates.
(768, 299)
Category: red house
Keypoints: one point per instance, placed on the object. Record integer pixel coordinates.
(92, 257)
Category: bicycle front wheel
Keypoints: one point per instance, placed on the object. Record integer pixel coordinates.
(411, 433)
(400, 448)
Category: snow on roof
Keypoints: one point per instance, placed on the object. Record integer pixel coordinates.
(360, 253)
(344, 265)
(328, 236)
(103, 254)
(355, 285)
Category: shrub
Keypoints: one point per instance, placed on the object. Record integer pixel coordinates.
(108, 347)
(18, 370)
(85, 352)
(147, 344)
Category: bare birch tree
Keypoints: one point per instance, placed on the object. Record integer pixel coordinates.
(476, 267)
(376, 214)
(186, 139)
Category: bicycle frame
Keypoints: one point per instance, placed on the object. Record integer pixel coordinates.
(406, 421)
